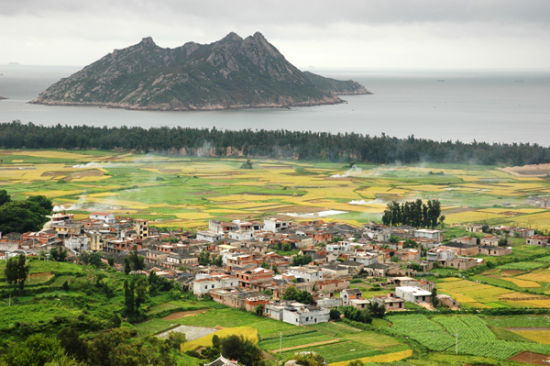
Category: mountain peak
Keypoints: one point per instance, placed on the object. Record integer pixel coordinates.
(259, 36)
(147, 41)
(232, 36)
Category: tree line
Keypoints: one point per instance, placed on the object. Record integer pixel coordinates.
(413, 213)
(302, 145)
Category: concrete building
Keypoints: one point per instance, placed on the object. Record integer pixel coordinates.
(495, 251)
(106, 217)
(297, 313)
(77, 243)
(307, 274)
(539, 240)
(275, 225)
(431, 234)
(254, 278)
(413, 294)
(389, 302)
(202, 286)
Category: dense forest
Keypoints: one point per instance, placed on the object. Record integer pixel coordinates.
(304, 145)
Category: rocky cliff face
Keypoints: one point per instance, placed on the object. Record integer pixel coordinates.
(230, 73)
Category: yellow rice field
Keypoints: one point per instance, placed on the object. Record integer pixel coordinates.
(537, 335)
(480, 295)
(539, 275)
(289, 186)
(522, 283)
(388, 357)
(247, 332)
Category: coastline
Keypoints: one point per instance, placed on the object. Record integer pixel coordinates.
(210, 107)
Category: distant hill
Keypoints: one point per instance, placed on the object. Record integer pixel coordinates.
(1, 97)
(230, 73)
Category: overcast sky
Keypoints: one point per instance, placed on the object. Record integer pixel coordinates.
(334, 34)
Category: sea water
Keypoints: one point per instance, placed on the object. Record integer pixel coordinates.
(507, 107)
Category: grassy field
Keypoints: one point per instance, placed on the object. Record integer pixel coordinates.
(182, 191)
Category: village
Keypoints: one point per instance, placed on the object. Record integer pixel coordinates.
(294, 272)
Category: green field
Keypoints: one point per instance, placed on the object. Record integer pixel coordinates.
(174, 190)
(465, 334)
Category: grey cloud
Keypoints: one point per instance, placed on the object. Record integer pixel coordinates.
(315, 12)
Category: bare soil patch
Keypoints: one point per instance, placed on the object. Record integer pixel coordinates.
(191, 333)
(169, 170)
(531, 358)
(85, 173)
(183, 314)
(511, 272)
(533, 170)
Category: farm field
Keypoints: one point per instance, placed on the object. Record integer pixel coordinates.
(178, 191)
(480, 295)
(524, 276)
(465, 334)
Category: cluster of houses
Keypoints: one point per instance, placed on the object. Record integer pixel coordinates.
(250, 264)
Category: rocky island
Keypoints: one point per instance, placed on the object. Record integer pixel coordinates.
(231, 73)
(2, 98)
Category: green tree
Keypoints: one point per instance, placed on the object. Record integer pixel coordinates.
(137, 261)
(259, 310)
(127, 267)
(91, 258)
(204, 258)
(334, 314)
(304, 297)
(4, 197)
(58, 254)
(435, 300)
(16, 272)
(377, 310)
(73, 344)
(37, 350)
(175, 340)
(141, 294)
(241, 349)
(216, 342)
(300, 260)
(129, 298)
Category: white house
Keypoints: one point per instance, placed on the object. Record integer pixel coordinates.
(413, 294)
(297, 313)
(275, 225)
(77, 243)
(106, 217)
(308, 274)
(203, 285)
(341, 246)
(431, 234)
(209, 236)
